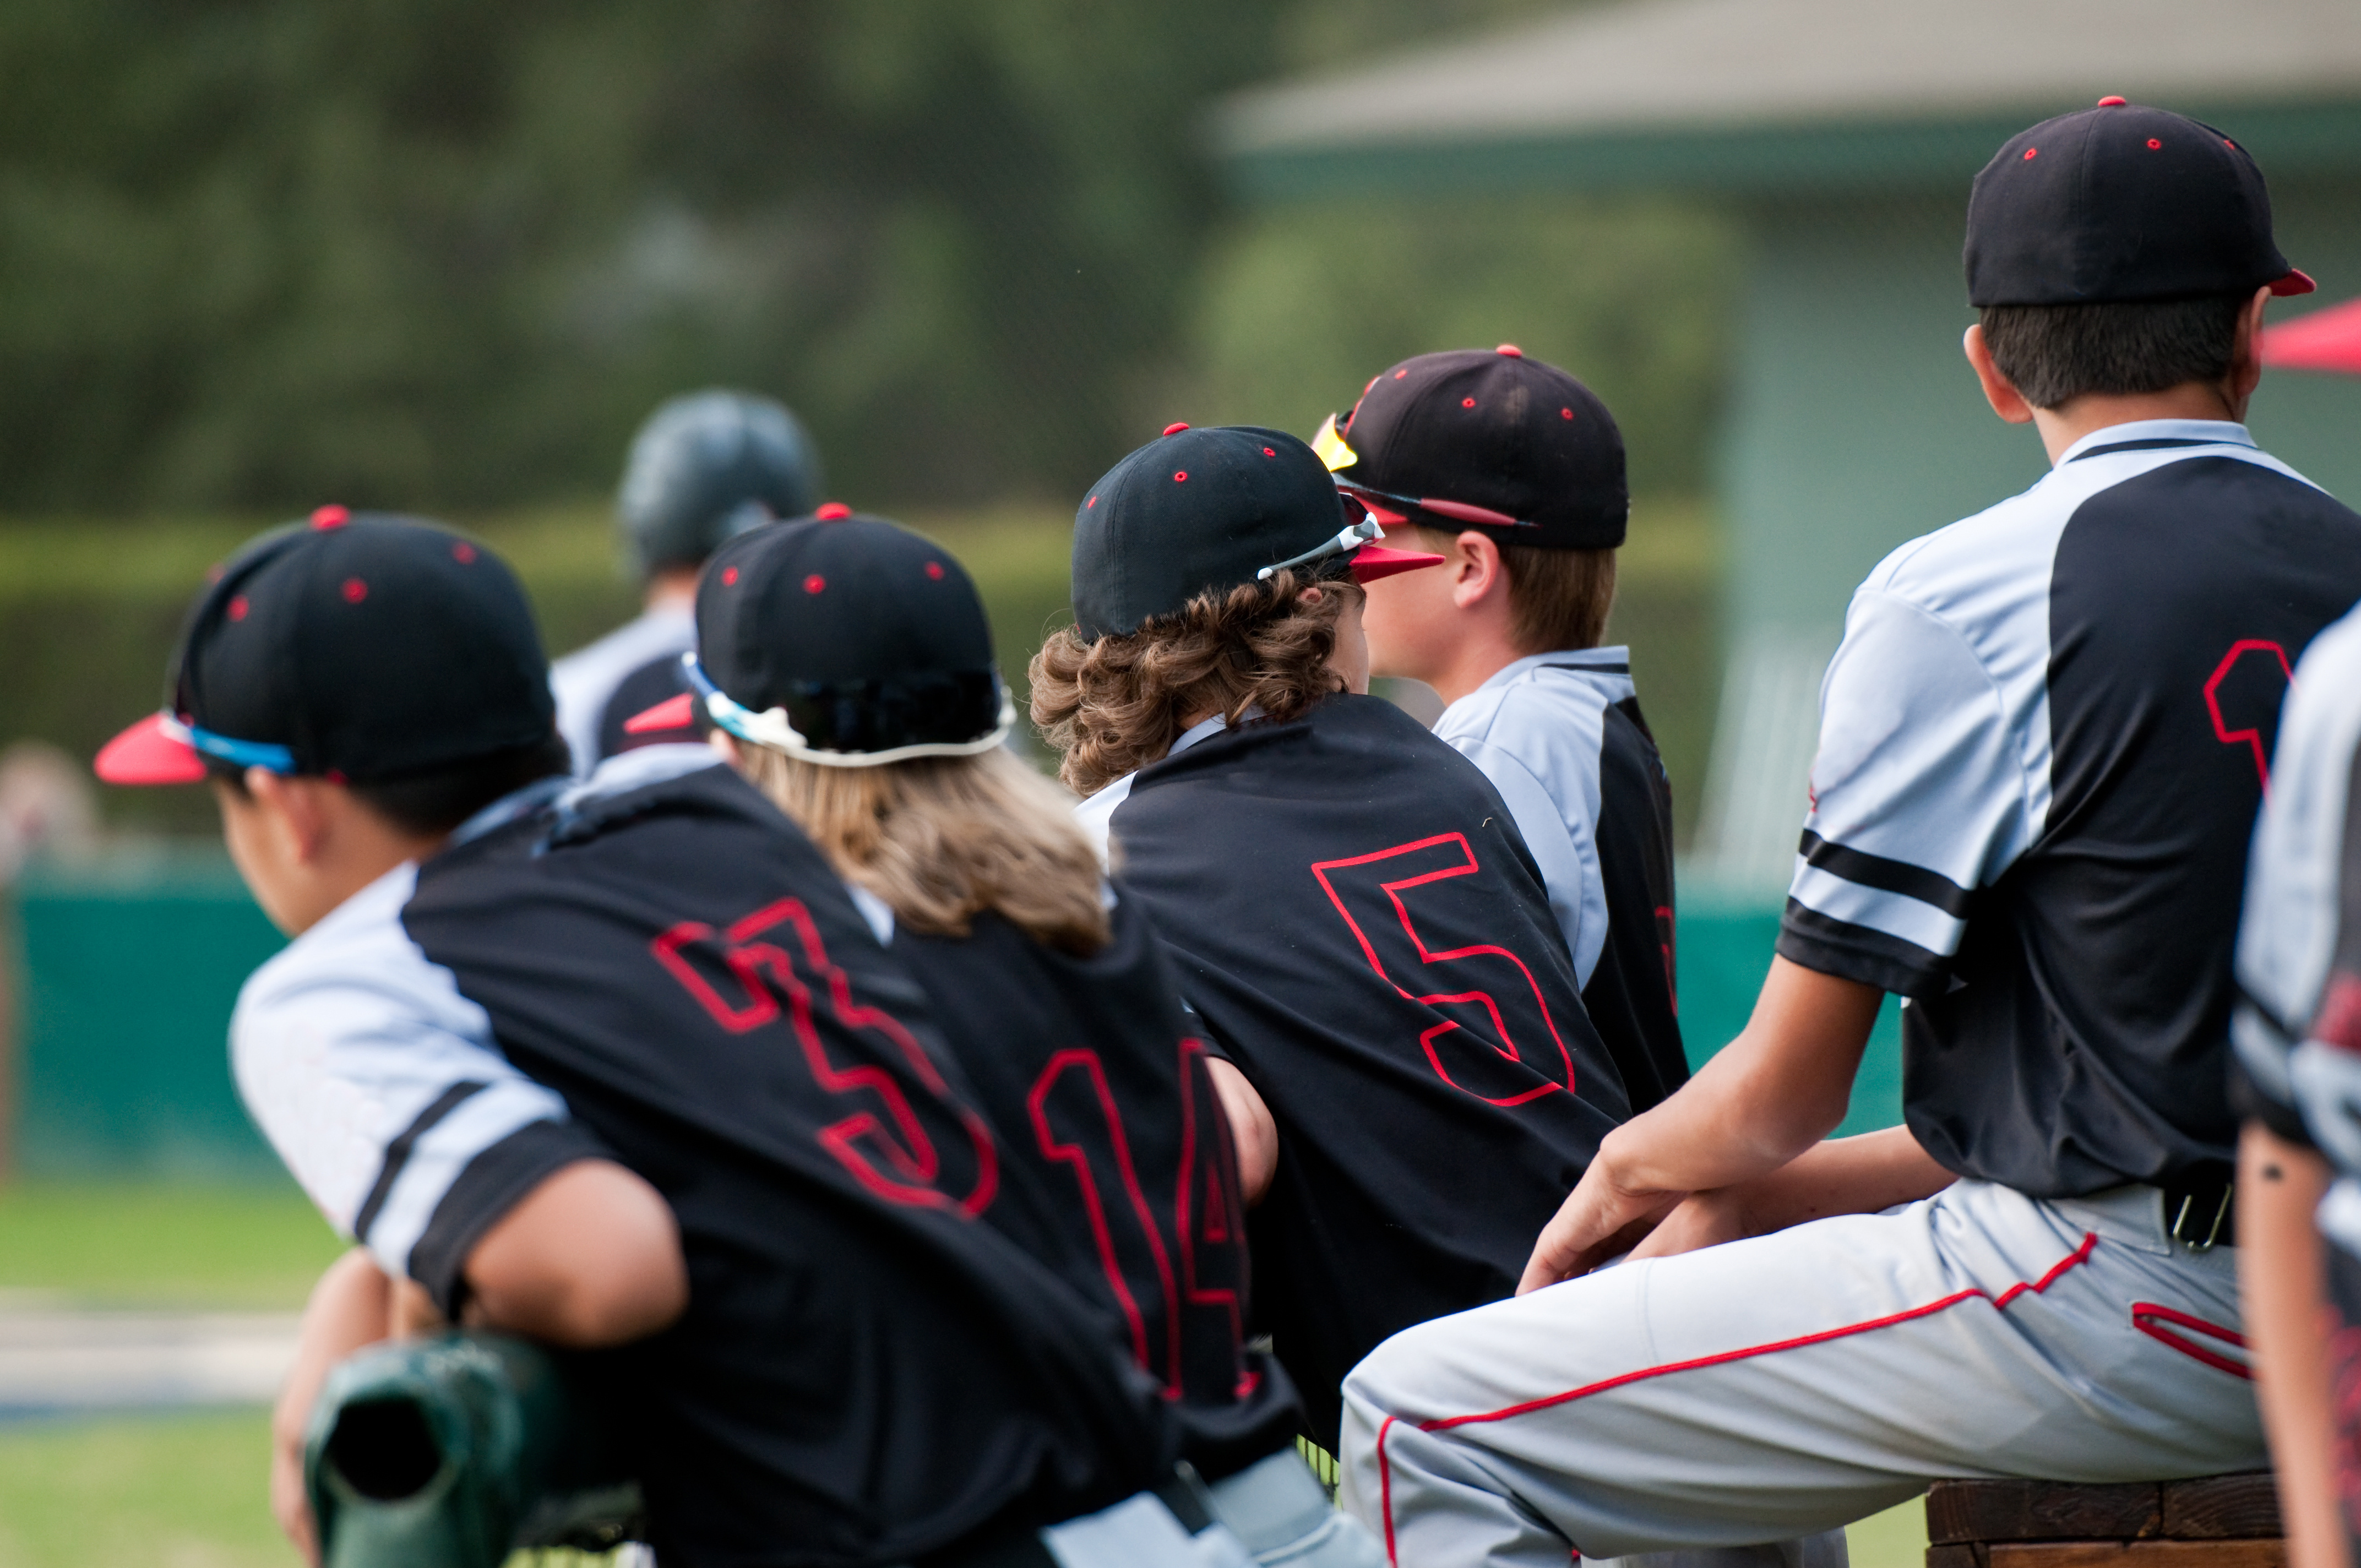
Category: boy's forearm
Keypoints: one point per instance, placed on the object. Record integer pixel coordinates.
(349, 1307)
(2282, 1281)
(1769, 1096)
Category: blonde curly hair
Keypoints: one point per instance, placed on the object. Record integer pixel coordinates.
(1117, 704)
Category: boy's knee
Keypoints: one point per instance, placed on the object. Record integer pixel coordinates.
(1382, 1376)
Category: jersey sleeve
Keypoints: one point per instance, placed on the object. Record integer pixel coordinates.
(2297, 1029)
(1541, 819)
(382, 1088)
(1918, 797)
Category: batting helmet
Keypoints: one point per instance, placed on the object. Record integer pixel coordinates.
(706, 465)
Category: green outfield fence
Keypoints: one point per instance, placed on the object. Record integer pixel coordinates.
(125, 972)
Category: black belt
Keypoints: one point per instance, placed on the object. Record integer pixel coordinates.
(2200, 1207)
(1184, 1495)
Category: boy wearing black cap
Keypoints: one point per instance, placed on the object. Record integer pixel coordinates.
(1512, 470)
(2043, 743)
(620, 1067)
(1358, 928)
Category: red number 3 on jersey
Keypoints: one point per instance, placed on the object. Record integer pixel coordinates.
(885, 1143)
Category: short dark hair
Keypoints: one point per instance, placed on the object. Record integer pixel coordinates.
(1557, 598)
(440, 799)
(2054, 354)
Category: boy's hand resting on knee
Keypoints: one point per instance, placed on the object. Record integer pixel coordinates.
(589, 1257)
(1766, 1099)
(1842, 1176)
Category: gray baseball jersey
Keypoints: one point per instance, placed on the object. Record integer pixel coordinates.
(1561, 736)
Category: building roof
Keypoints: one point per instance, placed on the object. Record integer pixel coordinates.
(1675, 91)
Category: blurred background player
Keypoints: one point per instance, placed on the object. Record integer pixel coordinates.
(1358, 926)
(2298, 1033)
(620, 1067)
(2043, 743)
(704, 468)
(847, 667)
(1513, 471)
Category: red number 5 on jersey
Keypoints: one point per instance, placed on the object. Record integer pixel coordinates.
(885, 1143)
(1493, 1009)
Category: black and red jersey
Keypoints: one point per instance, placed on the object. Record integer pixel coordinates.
(881, 1353)
(1099, 1085)
(1359, 927)
(2042, 746)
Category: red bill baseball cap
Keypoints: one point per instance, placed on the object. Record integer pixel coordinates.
(1489, 439)
(2119, 204)
(354, 646)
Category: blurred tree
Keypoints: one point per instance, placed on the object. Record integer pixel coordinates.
(261, 252)
(1300, 307)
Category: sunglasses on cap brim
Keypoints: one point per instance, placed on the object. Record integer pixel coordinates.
(1331, 450)
(1368, 560)
(853, 724)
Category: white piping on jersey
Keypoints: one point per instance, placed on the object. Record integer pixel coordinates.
(1855, 904)
(339, 1044)
(1096, 814)
(1535, 728)
(1938, 698)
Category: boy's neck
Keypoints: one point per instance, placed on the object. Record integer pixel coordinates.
(2068, 423)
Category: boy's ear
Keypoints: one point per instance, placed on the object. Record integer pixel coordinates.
(1999, 390)
(1473, 560)
(299, 808)
(2247, 350)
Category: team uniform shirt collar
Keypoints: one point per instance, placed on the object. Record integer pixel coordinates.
(1615, 661)
(1097, 813)
(2151, 434)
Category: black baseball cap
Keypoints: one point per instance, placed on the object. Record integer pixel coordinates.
(2119, 204)
(1484, 439)
(357, 646)
(845, 640)
(1203, 511)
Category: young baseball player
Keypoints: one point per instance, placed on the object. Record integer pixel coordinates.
(1358, 926)
(2042, 745)
(620, 1067)
(2298, 1033)
(1513, 471)
(846, 668)
(703, 467)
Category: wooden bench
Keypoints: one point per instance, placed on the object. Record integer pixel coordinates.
(2215, 1521)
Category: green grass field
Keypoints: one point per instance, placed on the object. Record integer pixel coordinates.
(143, 1244)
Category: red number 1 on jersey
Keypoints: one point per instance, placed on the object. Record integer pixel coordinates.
(1162, 1290)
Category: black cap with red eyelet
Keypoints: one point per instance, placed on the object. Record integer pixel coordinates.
(1200, 510)
(1489, 438)
(2118, 203)
(868, 638)
(352, 646)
